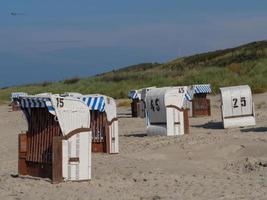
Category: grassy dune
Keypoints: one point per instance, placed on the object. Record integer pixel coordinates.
(245, 64)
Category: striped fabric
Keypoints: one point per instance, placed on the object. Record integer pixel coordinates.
(37, 102)
(188, 96)
(95, 103)
(133, 94)
(16, 95)
(204, 88)
(50, 107)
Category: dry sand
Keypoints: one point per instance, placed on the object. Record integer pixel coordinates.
(209, 163)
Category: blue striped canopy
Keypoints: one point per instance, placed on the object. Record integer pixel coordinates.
(203, 88)
(95, 103)
(37, 102)
(133, 94)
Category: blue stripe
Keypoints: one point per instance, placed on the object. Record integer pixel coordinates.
(132, 95)
(93, 107)
(95, 102)
(102, 109)
(39, 103)
(100, 103)
(89, 101)
(50, 108)
(202, 89)
(32, 102)
(21, 102)
(187, 97)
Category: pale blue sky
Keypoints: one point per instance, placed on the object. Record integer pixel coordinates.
(53, 40)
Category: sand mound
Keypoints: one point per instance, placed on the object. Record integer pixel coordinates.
(246, 165)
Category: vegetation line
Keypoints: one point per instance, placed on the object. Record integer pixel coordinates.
(246, 64)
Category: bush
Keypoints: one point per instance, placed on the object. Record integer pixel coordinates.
(45, 83)
(124, 103)
(235, 68)
(71, 80)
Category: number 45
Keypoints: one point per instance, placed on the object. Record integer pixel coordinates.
(156, 106)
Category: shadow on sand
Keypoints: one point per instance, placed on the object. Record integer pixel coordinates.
(29, 177)
(257, 129)
(210, 125)
(136, 135)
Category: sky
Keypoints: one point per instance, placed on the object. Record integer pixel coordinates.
(55, 40)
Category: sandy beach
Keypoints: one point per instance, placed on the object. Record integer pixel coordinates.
(209, 163)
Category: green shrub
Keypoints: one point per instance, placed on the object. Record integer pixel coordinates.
(71, 80)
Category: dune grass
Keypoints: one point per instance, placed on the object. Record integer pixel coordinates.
(123, 102)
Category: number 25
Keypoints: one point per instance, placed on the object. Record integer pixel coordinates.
(242, 100)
